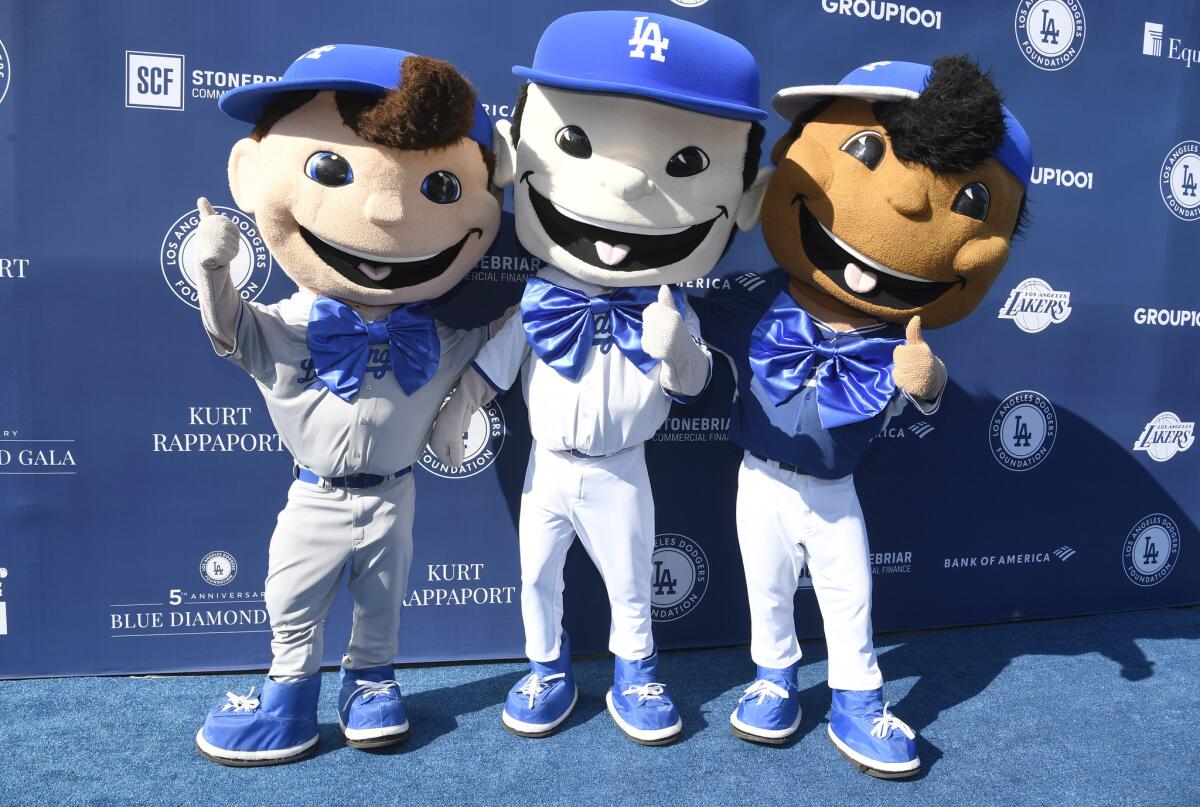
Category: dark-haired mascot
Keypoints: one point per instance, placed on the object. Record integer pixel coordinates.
(368, 173)
(895, 197)
(636, 149)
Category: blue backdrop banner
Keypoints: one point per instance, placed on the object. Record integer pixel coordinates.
(140, 475)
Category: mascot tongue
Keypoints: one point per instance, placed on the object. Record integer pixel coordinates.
(858, 279)
(376, 273)
(611, 254)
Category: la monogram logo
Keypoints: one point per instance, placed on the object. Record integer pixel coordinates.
(648, 34)
(315, 53)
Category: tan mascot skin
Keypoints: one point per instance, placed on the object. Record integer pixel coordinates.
(891, 209)
(369, 173)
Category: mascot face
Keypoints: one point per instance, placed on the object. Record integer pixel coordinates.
(359, 220)
(619, 191)
(889, 237)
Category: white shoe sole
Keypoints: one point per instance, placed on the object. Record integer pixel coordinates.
(644, 736)
(893, 770)
(755, 734)
(276, 756)
(372, 734)
(523, 729)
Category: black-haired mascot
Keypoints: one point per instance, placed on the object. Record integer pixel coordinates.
(896, 194)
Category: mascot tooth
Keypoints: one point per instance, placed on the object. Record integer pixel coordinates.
(372, 210)
(895, 198)
(633, 153)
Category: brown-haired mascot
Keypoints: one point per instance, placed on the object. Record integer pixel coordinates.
(369, 173)
(895, 198)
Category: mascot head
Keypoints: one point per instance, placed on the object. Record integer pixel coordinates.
(897, 190)
(634, 147)
(368, 172)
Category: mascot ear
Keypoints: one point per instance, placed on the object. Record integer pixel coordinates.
(506, 154)
(243, 173)
(750, 207)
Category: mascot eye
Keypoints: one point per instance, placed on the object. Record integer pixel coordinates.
(687, 162)
(441, 187)
(329, 169)
(574, 141)
(866, 147)
(972, 201)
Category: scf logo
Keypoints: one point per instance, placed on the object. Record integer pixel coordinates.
(154, 80)
(1050, 33)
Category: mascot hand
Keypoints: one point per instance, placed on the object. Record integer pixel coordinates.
(446, 439)
(918, 372)
(664, 336)
(216, 238)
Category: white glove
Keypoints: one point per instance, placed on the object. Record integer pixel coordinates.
(216, 240)
(665, 337)
(446, 438)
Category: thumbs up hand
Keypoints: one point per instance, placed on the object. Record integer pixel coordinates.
(216, 239)
(917, 371)
(662, 327)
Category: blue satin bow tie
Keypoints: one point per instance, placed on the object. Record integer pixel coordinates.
(561, 325)
(854, 374)
(339, 342)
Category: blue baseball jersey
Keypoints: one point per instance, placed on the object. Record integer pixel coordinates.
(791, 432)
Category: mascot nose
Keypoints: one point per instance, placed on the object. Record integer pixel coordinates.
(626, 182)
(908, 198)
(384, 210)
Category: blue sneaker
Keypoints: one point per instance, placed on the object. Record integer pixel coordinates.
(640, 706)
(278, 726)
(370, 710)
(874, 740)
(542, 700)
(769, 710)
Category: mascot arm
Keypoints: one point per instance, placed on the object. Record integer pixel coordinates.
(919, 374)
(216, 243)
(673, 338)
(446, 436)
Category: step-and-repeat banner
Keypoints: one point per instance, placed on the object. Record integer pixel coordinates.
(140, 475)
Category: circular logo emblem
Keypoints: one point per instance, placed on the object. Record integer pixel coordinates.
(1050, 33)
(1151, 550)
(249, 271)
(1034, 306)
(482, 441)
(1165, 436)
(218, 568)
(680, 577)
(1023, 430)
(1177, 181)
(689, 3)
(5, 71)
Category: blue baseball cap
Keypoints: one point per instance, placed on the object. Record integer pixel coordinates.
(895, 81)
(650, 56)
(354, 68)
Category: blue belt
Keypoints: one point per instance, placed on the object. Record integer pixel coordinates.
(352, 482)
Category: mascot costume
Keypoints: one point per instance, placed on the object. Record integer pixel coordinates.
(896, 195)
(634, 153)
(368, 172)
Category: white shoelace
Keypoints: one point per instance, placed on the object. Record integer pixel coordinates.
(645, 692)
(888, 721)
(535, 686)
(370, 690)
(240, 704)
(762, 688)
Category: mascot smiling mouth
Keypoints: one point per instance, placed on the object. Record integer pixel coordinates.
(864, 277)
(376, 272)
(626, 250)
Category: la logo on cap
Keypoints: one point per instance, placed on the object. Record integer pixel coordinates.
(647, 34)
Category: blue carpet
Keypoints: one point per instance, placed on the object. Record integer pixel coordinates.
(1091, 711)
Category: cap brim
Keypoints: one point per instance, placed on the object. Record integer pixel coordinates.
(247, 103)
(695, 103)
(790, 102)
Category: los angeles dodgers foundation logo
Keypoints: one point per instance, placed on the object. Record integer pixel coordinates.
(1151, 550)
(1033, 306)
(218, 568)
(249, 271)
(1023, 430)
(483, 440)
(680, 577)
(1177, 180)
(1165, 436)
(1050, 33)
(5, 72)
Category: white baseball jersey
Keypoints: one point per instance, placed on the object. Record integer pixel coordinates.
(381, 431)
(612, 406)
